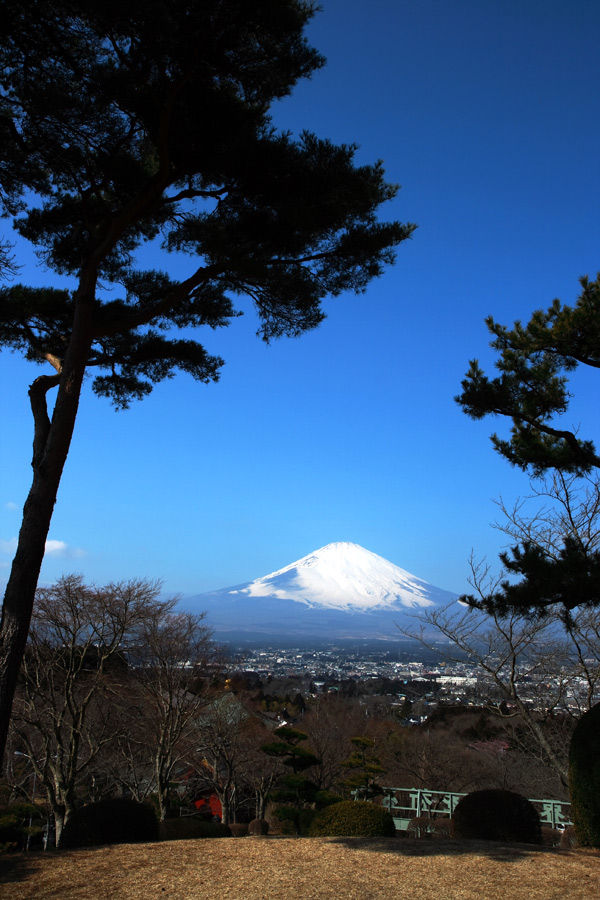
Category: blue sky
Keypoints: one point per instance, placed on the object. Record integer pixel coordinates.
(487, 113)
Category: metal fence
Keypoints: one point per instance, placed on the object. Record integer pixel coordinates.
(409, 803)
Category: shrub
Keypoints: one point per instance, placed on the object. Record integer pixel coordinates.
(258, 826)
(551, 837)
(191, 827)
(584, 778)
(238, 829)
(497, 815)
(419, 827)
(349, 818)
(426, 827)
(117, 820)
(294, 821)
(568, 839)
(14, 824)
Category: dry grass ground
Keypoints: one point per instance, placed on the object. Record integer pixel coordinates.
(276, 868)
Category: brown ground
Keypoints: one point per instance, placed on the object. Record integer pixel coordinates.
(276, 868)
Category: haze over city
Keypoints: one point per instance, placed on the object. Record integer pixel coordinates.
(487, 115)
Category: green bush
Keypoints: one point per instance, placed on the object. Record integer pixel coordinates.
(117, 820)
(192, 827)
(584, 778)
(497, 815)
(353, 819)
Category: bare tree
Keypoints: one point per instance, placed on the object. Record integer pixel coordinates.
(64, 711)
(227, 745)
(435, 759)
(174, 660)
(331, 722)
(567, 506)
(538, 667)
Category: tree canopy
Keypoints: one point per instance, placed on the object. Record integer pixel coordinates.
(150, 121)
(558, 564)
(532, 388)
(129, 123)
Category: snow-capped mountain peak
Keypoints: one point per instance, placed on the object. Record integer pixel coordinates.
(344, 576)
(340, 591)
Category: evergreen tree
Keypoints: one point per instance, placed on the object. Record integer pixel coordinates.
(531, 390)
(295, 791)
(365, 768)
(127, 122)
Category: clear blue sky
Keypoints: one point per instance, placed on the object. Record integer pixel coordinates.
(487, 113)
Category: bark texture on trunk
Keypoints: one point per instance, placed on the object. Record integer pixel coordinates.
(51, 442)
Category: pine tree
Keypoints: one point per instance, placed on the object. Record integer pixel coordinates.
(294, 791)
(129, 122)
(532, 390)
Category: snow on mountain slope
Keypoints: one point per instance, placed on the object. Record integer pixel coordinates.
(343, 576)
(339, 591)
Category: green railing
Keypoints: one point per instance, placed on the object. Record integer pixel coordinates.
(411, 803)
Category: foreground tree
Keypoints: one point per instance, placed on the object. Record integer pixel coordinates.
(128, 122)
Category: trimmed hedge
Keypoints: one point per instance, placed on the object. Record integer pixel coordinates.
(192, 827)
(117, 820)
(497, 815)
(258, 826)
(353, 819)
(584, 778)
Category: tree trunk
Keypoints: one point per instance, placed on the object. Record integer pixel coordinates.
(52, 439)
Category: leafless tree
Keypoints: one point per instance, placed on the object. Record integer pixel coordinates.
(64, 711)
(539, 669)
(331, 722)
(173, 664)
(565, 505)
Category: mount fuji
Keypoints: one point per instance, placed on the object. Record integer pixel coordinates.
(339, 592)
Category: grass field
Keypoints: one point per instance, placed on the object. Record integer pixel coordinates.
(276, 868)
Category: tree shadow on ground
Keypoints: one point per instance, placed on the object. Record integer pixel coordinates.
(17, 866)
(501, 851)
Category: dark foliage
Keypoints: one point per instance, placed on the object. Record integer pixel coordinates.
(532, 391)
(569, 580)
(497, 815)
(189, 827)
(294, 790)
(532, 388)
(353, 819)
(113, 821)
(14, 824)
(584, 778)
